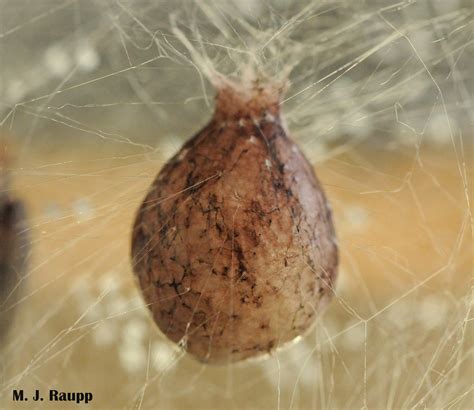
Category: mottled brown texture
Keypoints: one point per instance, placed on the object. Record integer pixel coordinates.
(234, 247)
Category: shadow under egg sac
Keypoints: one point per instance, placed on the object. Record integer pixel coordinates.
(14, 250)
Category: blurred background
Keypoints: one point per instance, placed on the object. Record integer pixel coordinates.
(95, 96)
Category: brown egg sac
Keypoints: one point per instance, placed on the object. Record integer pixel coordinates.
(13, 254)
(234, 247)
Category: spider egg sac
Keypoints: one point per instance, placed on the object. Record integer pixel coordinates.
(13, 253)
(233, 246)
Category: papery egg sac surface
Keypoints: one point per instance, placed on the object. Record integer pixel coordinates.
(234, 247)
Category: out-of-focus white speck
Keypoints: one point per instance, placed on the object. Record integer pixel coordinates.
(401, 314)
(93, 311)
(136, 304)
(116, 305)
(356, 217)
(347, 118)
(353, 339)
(57, 60)
(105, 334)
(163, 355)
(36, 76)
(423, 42)
(87, 57)
(132, 356)
(86, 302)
(83, 209)
(81, 288)
(301, 353)
(52, 211)
(268, 163)
(108, 283)
(309, 374)
(250, 7)
(327, 326)
(433, 311)
(344, 282)
(252, 139)
(15, 91)
(440, 129)
(318, 151)
(357, 125)
(134, 331)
